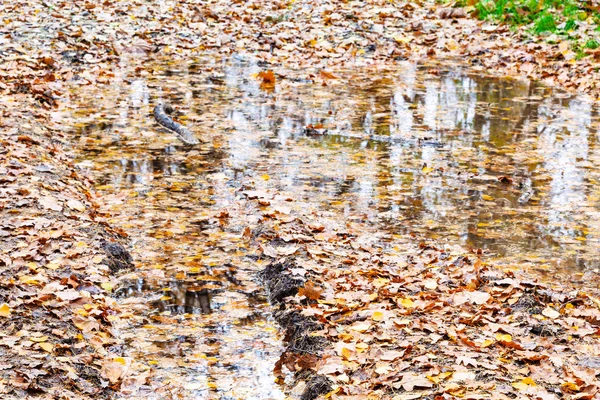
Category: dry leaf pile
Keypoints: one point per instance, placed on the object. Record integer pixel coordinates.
(56, 262)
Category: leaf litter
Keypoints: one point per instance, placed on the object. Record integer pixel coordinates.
(396, 320)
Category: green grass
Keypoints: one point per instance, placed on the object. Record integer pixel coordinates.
(559, 18)
(592, 44)
(542, 15)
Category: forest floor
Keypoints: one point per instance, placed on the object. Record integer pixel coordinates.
(428, 323)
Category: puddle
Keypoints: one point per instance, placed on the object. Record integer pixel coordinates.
(509, 168)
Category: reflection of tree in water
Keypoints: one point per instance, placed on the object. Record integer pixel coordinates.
(489, 127)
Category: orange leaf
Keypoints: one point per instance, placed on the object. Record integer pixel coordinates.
(268, 79)
(310, 291)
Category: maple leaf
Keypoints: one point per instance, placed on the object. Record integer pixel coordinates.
(466, 361)
(310, 291)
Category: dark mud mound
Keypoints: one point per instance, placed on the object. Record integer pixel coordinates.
(118, 258)
(303, 342)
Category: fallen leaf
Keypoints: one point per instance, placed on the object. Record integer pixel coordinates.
(49, 347)
(50, 203)
(411, 380)
(550, 313)
(76, 205)
(5, 310)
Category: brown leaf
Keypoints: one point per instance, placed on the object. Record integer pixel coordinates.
(268, 80)
(452, 13)
(310, 291)
(327, 75)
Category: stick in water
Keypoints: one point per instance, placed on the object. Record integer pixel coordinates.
(161, 114)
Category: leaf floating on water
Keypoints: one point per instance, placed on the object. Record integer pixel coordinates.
(267, 80)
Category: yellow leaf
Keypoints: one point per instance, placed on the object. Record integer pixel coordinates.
(29, 280)
(438, 378)
(529, 381)
(377, 316)
(503, 337)
(452, 45)
(39, 339)
(570, 386)
(266, 177)
(379, 282)
(46, 346)
(524, 384)
(487, 343)
(120, 360)
(346, 353)
(426, 169)
(487, 198)
(5, 310)
(362, 347)
(108, 286)
(361, 327)
(401, 39)
(408, 303)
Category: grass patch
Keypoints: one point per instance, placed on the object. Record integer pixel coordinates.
(542, 15)
(562, 19)
(545, 22)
